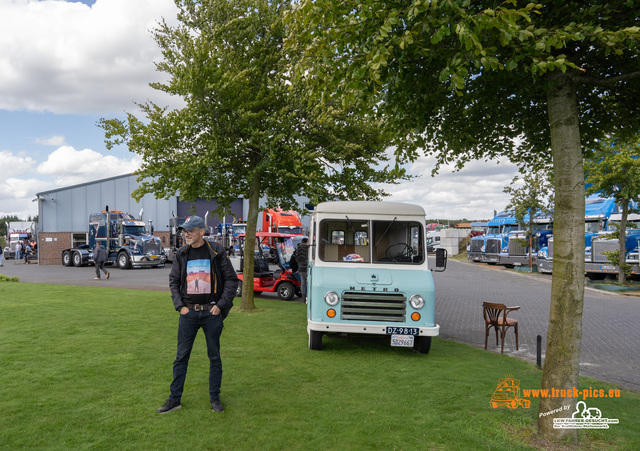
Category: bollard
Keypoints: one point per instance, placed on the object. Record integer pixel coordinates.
(539, 351)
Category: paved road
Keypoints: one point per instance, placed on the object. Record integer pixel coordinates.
(610, 336)
(610, 333)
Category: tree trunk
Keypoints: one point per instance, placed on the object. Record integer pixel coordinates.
(561, 366)
(622, 277)
(249, 244)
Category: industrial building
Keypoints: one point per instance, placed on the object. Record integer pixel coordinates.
(64, 212)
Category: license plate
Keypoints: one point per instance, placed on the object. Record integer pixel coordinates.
(395, 330)
(405, 341)
(153, 257)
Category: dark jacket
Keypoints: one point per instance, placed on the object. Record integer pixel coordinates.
(302, 257)
(99, 254)
(224, 283)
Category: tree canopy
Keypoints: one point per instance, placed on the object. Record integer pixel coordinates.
(246, 130)
(465, 80)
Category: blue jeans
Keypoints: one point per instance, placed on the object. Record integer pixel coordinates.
(188, 327)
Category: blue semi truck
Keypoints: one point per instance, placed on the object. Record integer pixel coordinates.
(126, 239)
(597, 212)
(597, 262)
(494, 228)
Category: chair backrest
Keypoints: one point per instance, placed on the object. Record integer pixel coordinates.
(492, 311)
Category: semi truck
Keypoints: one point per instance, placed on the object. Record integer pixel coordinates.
(522, 249)
(477, 244)
(495, 243)
(20, 232)
(597, 263)
(281, 221)
(126, 239)
(369, 274)
(597, 212)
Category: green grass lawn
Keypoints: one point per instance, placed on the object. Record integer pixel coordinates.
(86, 368)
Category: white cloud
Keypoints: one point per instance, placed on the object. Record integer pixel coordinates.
(13, 165)
(68, 57)
(55, 141)
(68, 166)
(16, 196)
(473, 193)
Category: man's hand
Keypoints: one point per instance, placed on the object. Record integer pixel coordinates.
(184, 310)
(215, 310)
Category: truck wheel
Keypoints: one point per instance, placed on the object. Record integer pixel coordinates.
(315, 340)
(77, 259)
(286, 291)
(66, 259)
(239, 290)
(422, 344)
(123, 261)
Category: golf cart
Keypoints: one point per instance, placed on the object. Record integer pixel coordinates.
(272, 272)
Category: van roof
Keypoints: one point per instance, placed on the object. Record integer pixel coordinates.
(369, 207)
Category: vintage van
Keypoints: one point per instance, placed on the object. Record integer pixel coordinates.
(369, 273)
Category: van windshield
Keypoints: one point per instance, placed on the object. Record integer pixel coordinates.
(362, 241)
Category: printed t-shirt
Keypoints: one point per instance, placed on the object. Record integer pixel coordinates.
(198, 276)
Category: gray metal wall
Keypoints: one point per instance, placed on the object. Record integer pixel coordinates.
(67, 209)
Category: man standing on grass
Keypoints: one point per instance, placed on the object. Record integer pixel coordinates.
(204, 265)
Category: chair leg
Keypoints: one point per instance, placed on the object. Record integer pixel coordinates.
(486, 337)
(503, 334)
(516, 331)
(497, 343)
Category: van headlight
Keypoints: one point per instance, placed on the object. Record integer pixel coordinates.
(331, 298)
(416, 301)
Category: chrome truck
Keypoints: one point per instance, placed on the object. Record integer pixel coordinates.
(126, 239)
(497, 244)
(522, 249)
(369, 274)
(597, 262)
(597, 212)
(477, 244)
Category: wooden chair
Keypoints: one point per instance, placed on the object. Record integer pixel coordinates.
(495, 315)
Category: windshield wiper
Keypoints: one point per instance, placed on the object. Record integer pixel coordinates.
(385, 232)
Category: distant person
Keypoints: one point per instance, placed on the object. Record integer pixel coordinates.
(100, 258)
(18, 251)
(302, 259)
(27, 252)
(1, 258)
(206, 308)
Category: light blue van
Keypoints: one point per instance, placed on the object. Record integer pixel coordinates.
(369, 274)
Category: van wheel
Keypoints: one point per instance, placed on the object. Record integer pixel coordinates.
(66, 259)
(315, 340)
(123, 261)
(77, 259)
(422, 344)
(286, 291)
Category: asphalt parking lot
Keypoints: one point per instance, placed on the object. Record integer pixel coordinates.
(610, 335)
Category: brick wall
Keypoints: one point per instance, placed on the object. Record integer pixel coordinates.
(164, 236)
(50, 246)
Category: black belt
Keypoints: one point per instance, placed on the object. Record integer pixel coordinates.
(199, 307)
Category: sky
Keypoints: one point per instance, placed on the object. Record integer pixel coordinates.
(64, 65)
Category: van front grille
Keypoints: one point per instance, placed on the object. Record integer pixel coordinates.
(365, 306)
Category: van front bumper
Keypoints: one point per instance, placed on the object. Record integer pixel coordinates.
(372, 329)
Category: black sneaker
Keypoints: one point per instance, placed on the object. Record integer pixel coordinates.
(169, 406)
(216, 406)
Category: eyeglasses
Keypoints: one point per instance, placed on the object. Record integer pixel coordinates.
(190, 232)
